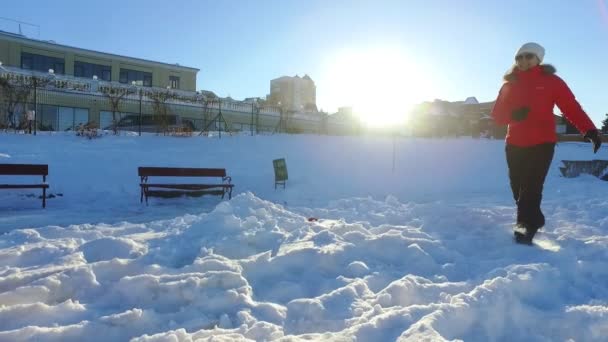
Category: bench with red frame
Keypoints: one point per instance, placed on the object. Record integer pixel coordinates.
(26, 170)
(178, 189)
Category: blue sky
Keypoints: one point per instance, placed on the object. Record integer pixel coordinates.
(459, 48)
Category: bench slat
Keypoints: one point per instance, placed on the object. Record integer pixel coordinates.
(24, 169)
(180, 172)
(186, 186)
(24, 186)
(180, 193)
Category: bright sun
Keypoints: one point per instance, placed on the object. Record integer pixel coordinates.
(381, 84)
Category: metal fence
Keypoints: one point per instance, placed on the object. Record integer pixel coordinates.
(59, 110)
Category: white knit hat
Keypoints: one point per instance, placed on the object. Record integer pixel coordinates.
(532, 48)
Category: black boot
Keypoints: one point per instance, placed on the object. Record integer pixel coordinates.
(524, 238)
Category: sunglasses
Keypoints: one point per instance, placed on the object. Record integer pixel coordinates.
(527, 56)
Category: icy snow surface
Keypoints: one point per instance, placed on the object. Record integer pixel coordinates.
(421, 252)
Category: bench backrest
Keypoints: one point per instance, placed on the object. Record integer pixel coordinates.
(575, 167)
(180, 172)
(24, 169)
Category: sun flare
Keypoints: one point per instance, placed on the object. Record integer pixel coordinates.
(380, 84)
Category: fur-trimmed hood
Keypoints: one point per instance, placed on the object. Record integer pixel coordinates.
(511, 75)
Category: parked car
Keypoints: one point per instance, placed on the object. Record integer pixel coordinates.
(150, 123)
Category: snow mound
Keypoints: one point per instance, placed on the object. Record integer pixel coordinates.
(110, 247)
(254, 270)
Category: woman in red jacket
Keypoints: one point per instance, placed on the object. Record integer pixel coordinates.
(525, 103)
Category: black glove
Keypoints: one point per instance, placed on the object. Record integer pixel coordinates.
(520, 114)
(593, 136)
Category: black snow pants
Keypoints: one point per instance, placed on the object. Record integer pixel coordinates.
(528, 167)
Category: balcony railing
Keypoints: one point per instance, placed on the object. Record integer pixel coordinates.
(68, 83)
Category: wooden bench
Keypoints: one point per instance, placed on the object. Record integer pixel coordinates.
(573, 168)
(183, 188)
(26, 170)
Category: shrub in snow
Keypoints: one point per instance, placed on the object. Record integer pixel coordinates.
(88, 130)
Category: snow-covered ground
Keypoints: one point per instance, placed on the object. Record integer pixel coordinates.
(423, 251)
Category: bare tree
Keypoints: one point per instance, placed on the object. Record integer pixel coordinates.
(15, 90)
(4, 96)
(13, 93)
(160, 106)
(115, 95)
(208, 103)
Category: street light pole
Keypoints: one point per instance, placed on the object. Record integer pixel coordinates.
(47, 81)
(394, 149)
(134, 85)
(220, 117)
(257, 120)
(140, 116)
(252, 110)
(35, 79)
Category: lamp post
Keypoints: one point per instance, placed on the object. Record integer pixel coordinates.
(257, 120)
(280, 125)
(253, 108)
(35, 80)
(219, 117)
(141, 94)
(394, 148)
(1, 67)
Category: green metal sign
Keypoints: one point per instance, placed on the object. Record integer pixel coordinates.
(280, 172)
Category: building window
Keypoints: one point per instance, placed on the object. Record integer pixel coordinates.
(42, 63)
(174, 82)
(128, 76)
(55, 118)
(88, 70)
(124, 75)
(106, 74)
(147, 79)
(47, 118)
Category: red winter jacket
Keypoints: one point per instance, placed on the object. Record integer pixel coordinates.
(539, 90)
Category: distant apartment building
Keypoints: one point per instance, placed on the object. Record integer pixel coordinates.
(346, 113)
(463, 118)
(296, 94)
